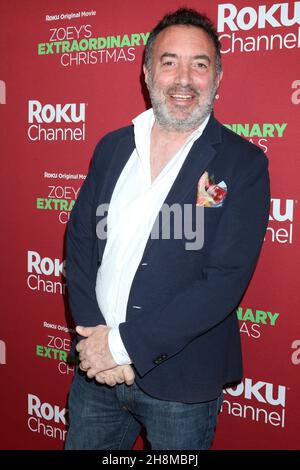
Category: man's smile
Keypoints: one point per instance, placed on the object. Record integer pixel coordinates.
(181, 97)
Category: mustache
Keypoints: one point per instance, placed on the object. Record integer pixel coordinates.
(177, 89)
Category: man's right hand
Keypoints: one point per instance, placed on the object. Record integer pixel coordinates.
(117, 375)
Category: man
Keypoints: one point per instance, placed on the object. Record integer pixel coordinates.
(158, 333)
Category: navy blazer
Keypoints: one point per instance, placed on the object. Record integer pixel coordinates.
(184, 340)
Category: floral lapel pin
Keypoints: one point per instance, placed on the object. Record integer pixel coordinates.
(210, 194)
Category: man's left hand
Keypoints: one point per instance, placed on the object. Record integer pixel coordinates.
(94, 353)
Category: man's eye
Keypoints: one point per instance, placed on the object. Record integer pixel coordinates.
(201, 65)
(169, 63)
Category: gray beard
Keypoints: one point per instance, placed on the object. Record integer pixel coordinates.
(173, 124)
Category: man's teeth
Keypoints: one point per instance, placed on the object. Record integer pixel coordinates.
(182, 97)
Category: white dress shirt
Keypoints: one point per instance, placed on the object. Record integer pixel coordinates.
(134, 206)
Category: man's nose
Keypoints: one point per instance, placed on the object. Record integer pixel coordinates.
(183, 74)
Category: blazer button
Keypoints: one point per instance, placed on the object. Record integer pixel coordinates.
(160, 359)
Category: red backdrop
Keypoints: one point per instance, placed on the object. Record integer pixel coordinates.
(70, 72)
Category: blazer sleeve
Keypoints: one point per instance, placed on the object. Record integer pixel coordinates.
(208, 301)
(82, 251)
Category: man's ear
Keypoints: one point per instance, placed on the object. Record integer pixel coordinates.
(220, 76)
(146, 74)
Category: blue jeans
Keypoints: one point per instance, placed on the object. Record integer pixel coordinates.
(111, 418)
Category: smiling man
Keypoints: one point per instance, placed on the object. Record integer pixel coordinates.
(156, 322)
(182, 74)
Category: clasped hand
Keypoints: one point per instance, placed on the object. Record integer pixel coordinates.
(96, 359)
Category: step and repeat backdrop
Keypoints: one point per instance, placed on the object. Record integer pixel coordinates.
(72, 71)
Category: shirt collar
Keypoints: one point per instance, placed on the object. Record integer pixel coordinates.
(143, 124)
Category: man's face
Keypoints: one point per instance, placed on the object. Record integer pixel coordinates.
(182, 81)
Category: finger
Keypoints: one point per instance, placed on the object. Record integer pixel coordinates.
(91, 373)
(100, 378)
(80, 345)
(118, 376)
(85, 330)
(109, 378)
(128, 375)
(106, 378)
(110, 381)
(119, 379)
(81, 367)
(81, 356)
(84, 365)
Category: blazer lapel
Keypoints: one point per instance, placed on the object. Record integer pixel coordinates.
(198, 159)
(119, 159)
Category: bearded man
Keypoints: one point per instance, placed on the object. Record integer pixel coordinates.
(158, 336)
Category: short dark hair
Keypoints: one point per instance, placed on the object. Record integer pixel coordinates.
(186, 17)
